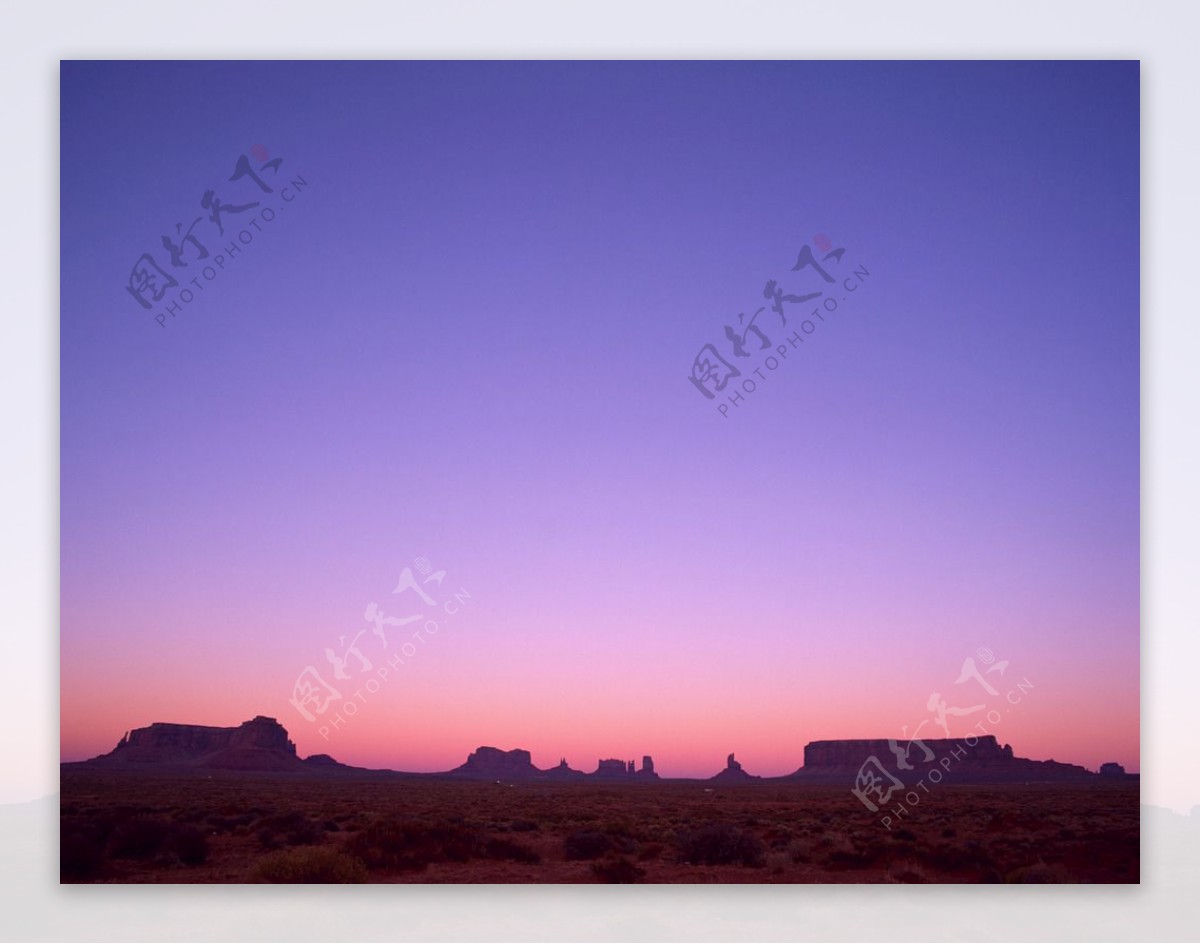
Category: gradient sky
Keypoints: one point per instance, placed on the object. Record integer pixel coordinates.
(468, 338)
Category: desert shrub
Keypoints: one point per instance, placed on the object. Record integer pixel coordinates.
(958, 858)
(778, 837)
(619, 871)
(80, 853)
(721, 844)
(907, 873)
(850, 857)
(508, 850)
(309, 865)
(292, 829)
(651, 850)
(622, 842)
(586, 844)
(523, 826)
(220, 824)
(392, 844)
(1038, 874)
(800, 850)
(188, 844)
(138, 838)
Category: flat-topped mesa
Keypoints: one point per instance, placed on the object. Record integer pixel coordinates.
(854, 753)
(979, 757)
(261, 743)
(492, 763)
(611, 768)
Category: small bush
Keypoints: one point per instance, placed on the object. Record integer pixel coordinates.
(391, 844)
(81, 853)
(292, 829)
(852, 858)
(721, 844)
(651, 850)
(508, 850)
(311, 865)
(1038, 874)
(800, 851)
(138, 838)
(618, 871)
(189, 845)
(907, 873)
(959, 858)
(586, 844)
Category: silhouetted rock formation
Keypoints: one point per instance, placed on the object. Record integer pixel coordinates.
(978, 759)
(612, 769)
(321, 760)
(259, 744)
(490, 763)
(262, 744)
(494, 764)
(563, 772)
(733, 773)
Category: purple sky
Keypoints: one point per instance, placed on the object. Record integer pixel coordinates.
(469, 336)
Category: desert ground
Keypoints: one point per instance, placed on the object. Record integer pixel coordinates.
(229, 828)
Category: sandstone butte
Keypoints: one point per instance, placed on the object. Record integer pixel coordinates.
(262, 745)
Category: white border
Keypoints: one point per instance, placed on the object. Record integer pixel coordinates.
(35, 37)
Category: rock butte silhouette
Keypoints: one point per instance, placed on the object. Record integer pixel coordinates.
(262, 745)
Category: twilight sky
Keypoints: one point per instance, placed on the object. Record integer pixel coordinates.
(468, 338)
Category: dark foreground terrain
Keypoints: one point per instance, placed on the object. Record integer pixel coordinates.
(157, 827)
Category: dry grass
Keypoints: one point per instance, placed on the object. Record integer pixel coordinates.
(121, 827)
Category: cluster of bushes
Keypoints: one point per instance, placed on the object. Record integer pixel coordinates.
(707, 844)
(406, 845)
(309, 865)
(594, 843)
(611, 846)
(618, 871)
(387, 845)
(291, 829)
(87, 845)
(586, 844)
(721, 844)
(90, 844)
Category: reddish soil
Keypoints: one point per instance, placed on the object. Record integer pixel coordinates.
(154, 827)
